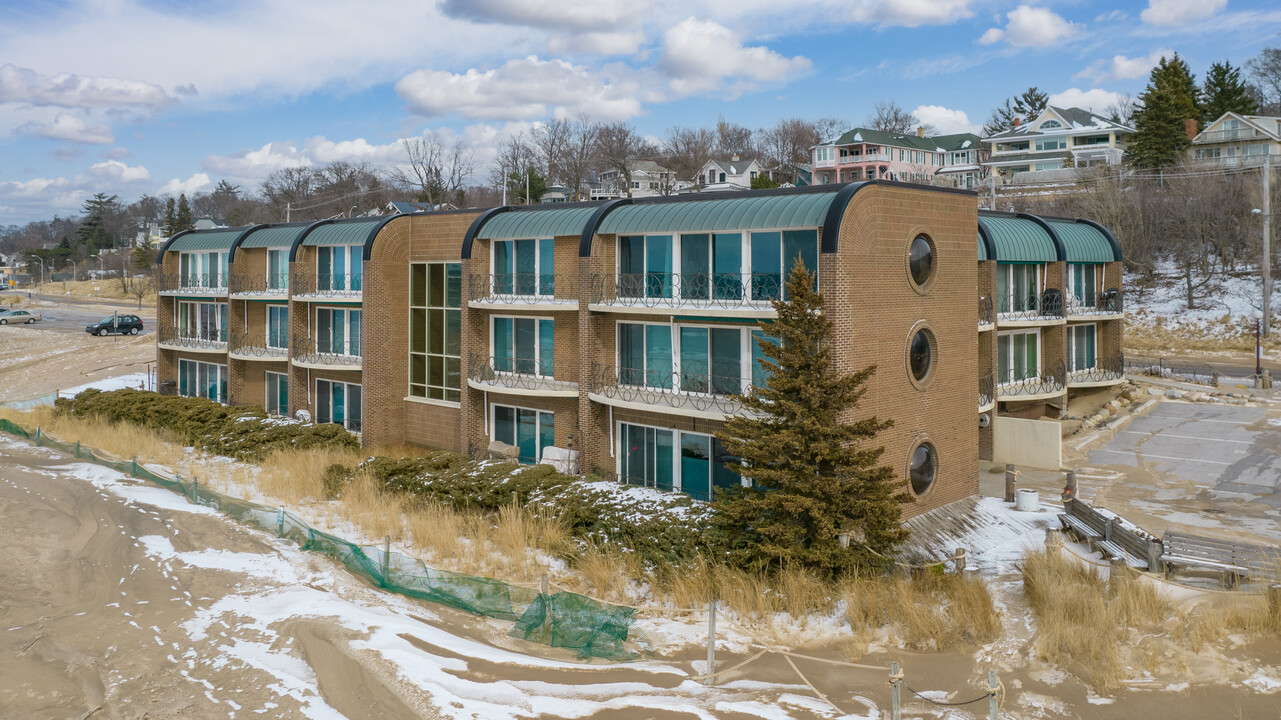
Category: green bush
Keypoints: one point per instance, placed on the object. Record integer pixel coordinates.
(244, 433)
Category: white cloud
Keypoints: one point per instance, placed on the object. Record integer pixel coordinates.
(520, 89)
(42, 196)
(71, 128)
(116, 171)
(1095, 100)
(1121, 67)
(909, 13)
(702, 56)
(580, 15)
(597, 43)
(24, 85)
(1166, 13)
(190, 186)
(1029, 26)
(946, 120)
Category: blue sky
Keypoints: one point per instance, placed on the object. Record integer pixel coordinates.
(133, 97)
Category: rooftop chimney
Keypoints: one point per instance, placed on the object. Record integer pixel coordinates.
(734, 157)
(1189, 127)
(1016, 122)
(920, 131)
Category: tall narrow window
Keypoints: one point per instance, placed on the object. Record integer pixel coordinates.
(339, 268)
(277, 393)
(339, 403)
(1018, 287)
(277, 269)
(1081, 348)
(1083, 283)
(277, 326)
(435, 329)
(1018, 356)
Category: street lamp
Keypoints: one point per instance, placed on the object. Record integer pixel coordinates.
(100, 266)
(1258, 345)
(41, 261)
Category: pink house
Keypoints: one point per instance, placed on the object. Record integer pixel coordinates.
(864, 154)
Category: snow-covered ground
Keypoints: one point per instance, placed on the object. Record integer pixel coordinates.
(1225, 308)
(134, 381)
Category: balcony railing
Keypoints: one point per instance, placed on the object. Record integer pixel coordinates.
(311, 351)
(1245, 133)
(725, 291)
(192, 339)
(1108, 302)
(327, 285)
(1107, 369)
(986, 312)
(692, 388)
(1030, 305)
(987, 392)
(868, 157)
(193, 282)
(1024, 382)
(523, 289)
(516, 374)
(258, 346)
(260, 284)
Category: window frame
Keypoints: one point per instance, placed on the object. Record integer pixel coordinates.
(425, 390)
(538, 343)
(677, 437)
(346, 404)
(747, 358)
(492, 412)
(1013, 380)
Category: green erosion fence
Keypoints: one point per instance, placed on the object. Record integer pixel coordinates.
(562, 619)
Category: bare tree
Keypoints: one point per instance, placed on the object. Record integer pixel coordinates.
(687, 150)
(437, 171)
(1265, 74)
(617, 144)
(788, 142)
(831, 128)
(733, 139)
(580, 154)
(291, 186)
(551, 139)
(1121, 111)
(888, 117)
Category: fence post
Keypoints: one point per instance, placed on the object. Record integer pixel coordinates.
(1107, 529)
(711, 642)
(993, 702)
(544, 585)
(280, 521)
(1009, 483)
(1155, 549)
(195, 491)
(896, 698)
(37, 436)
(77, 448)
(387, 560)
(960, 561)
(133, 467)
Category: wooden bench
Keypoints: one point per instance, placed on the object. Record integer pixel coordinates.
(1110, 534)
(1078, 526)
(1114, 550)
(1235, 560)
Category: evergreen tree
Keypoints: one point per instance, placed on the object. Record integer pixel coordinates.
(1160, 138)
(1002, 119)
(171, 219)
(1224, 91)
(813, 474)
(763, 182)
(1030, 104)
(183, 220)
(93, 232)
(537, 184)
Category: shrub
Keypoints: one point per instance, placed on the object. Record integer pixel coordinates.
(244, 433)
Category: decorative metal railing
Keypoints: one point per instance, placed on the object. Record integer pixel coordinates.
(193, 282)
(1108, 302)
(987, 391)
(1104, 370)
(691, 388)
(260, 284)
(642, 481)
(327, 285)
(1030, 305)
(688, 290)
(312, 351)
(258, 346)
(192, 339)
(527, 288)
(516, 374)
(987, 314)
(1174, 369)
(1032, 381)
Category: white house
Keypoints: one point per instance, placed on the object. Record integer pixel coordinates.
(648, 179)
(1234, 140)
(733, 174)
(1057, 138)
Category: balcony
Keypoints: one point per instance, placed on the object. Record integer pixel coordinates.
(869, 157)
(692, 392)
(192, 284)
(326, 355)
(244, 346)
(1096, 304)
(514, 292)
(987, 393)
(718, 294)
(1106, 371)
(196, 340)
(522, 376)
(263, 285)
(307, 284)
(1245, 133)
(1031, 308)
(987, 314)
(1032, 383)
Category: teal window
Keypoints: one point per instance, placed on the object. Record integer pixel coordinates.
(338, 331)
(338, 403)
(529, 430)
(524, 267)
(277, 269)
(524, 345)
(202, 270)
(645, 266)
(760, 372)
(665, 459)
(1081, 347)
(1083, 282)
(1017, 356)
(202, 379)
(277, 393)
(690, 358)
(1018, 287)
(277, 326)
(435, 329)
(645, 355)
(773, 256)
(202, 321)
(711, 360)
(339, 268)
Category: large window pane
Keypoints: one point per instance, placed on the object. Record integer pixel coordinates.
(760, 375)
(503, 344)
(696, 460)
(695, 267)
(727, 368)
(505, 424)
(658, 356)
(527, 435)
(546, 348)
(546, 267)
(631, 354)
(695, 361)
(453, 285)
(723, 477)
(631, 266)
(546, 432)
(767, 268)
(525, 344)
(658, 266)
(526, 280)
(800, 245)
(503, 266)
(727, 265)
(664, 471)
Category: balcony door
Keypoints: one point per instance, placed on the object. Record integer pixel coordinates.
(529, 430)
(524, 267)
(338, 331)
(1081, 347)
(524, 345)
(1017, 356)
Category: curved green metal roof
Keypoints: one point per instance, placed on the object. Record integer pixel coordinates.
(281, 236)
(538, 223)
(800, 210)
(1082, 243)
(982, 249)
(220, 239)
(1019, 240)
(343, 233)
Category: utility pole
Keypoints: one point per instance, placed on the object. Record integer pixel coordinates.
(1267, 245)
(288, 211)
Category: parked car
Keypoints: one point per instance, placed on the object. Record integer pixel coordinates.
(19, 316)
(116, 325)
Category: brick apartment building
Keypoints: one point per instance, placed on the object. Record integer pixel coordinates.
(621, 330)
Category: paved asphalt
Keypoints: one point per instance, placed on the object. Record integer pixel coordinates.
(73, 314)
(1224, 449)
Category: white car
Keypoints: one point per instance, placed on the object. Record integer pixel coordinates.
(19, 316)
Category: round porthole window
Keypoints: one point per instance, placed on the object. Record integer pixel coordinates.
(921, 355)
(923, 467)
(920, 260)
